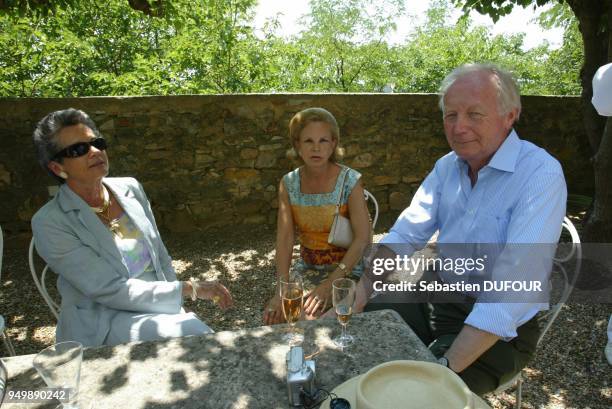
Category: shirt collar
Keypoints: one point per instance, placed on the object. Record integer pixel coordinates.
(504, 158)
(507, 154)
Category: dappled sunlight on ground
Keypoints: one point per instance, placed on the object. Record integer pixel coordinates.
(569, 369)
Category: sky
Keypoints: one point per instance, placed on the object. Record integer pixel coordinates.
(520, 20)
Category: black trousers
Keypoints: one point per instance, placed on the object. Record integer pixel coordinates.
(438, 324)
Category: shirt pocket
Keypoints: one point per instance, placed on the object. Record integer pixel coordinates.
(492, 228)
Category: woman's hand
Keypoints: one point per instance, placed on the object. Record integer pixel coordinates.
(273, 311)
(317, 301)
(215, 291)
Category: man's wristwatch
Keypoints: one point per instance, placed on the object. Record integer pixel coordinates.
(343, 269)
(444, 362)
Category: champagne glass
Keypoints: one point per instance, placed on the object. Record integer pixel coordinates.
(343, 293)
(60, 367)
(292, 296)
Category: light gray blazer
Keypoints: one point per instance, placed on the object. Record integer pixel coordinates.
(93, 280)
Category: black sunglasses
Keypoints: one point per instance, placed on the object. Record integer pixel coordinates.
(81, 148)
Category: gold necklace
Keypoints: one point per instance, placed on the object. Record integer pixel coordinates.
(105, 202)
(104, 214)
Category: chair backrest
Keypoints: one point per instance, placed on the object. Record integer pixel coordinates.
(3, 378)
(370, 198)
(41, 283)
(573, 259)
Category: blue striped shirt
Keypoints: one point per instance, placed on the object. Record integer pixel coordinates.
(519, 197)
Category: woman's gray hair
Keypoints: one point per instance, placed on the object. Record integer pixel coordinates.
(508, 95)
(45, 134)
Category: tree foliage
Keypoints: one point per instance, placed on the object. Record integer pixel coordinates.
(114, 47)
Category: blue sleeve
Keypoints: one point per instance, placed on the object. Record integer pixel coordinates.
(419, 221)
(536, 220)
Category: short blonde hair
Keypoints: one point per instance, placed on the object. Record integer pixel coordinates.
(307, 116)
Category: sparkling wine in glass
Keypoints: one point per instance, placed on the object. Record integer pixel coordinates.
(343, 298)
(292, 296)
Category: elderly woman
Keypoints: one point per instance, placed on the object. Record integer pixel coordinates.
(99, 235)
(307, 199)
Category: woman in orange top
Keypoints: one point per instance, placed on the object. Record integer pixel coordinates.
(307, 200)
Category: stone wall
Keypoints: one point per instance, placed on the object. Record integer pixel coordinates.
(214, 160)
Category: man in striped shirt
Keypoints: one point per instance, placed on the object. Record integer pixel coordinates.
(493, 189)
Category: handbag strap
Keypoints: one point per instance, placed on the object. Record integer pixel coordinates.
(341, 190)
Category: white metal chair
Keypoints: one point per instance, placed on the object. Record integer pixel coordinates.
(7, 341)
(370, 198)
(548, 318)
(41, 283)
(3, 378)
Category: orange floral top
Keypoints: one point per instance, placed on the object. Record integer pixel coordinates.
(313, 215)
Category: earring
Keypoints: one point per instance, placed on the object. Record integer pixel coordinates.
(63, 175)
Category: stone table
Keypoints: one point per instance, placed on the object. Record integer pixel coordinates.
(227, 370)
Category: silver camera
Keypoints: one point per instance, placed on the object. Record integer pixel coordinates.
(300, 376)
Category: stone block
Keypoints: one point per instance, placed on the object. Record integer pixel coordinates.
(265, 119)
(27, 209)
(248, 153)
(410, 179)
(5, 176)
(236, 127)
(384, 180)
(179, 221)
(154, 155)
(352, 150)
(269, 195)
(243, 177)
(398, 200)
(266, 159)
(203, 159)
(364, 160)
(107, 126)
(247, 163)
(272, 216)
(124, 122)
(249, 206)
(255, 219)
(271, 147)
(202, 209)
(299, 101)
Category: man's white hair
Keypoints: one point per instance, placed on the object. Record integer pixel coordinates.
(508, 96)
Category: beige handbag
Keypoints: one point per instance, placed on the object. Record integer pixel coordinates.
(341, 233)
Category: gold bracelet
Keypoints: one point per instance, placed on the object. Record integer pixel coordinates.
(194, 289)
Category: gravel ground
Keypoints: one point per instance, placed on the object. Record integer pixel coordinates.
(569, 371)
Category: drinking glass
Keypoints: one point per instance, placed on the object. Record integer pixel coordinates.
(343, 295)
(60, 367)
(292, 296)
